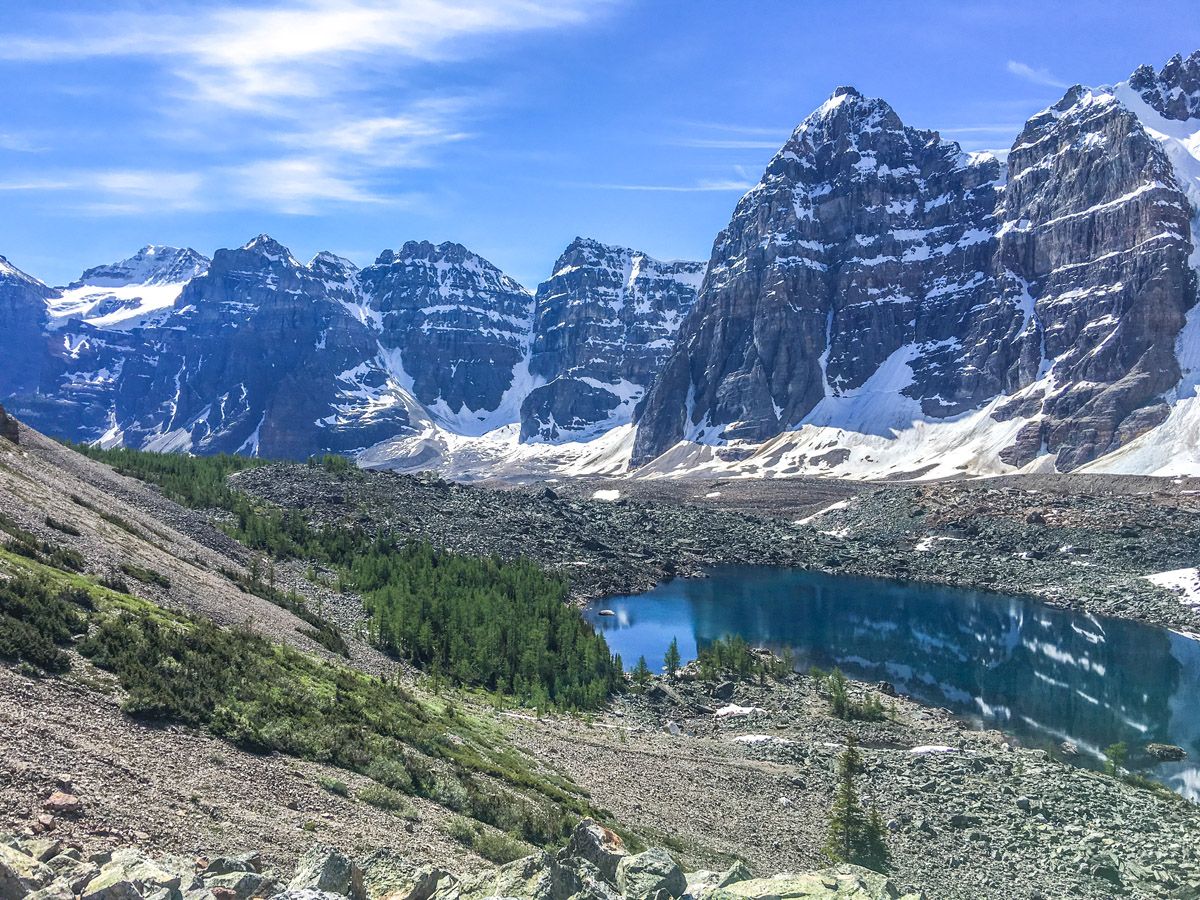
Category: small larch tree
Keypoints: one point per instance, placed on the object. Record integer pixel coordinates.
(672, 660)
(641, 672)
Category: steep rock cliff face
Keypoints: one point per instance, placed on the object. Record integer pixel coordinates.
(866, 245)
(250, 361)
(877, 279)
(9, 430)
(22, 326)
(1097, 227)
(605, 322)
(460, 328)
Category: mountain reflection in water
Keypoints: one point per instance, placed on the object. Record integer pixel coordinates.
(1043, 675)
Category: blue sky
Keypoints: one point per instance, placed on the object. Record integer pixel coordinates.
(508, 125)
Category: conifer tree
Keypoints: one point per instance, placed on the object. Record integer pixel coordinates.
(641, 672)
(672, 659)
(853, 835)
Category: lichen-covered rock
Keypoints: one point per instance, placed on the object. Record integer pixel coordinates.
(72, 869)
(129, 875)
(701, 885)
(650, 875)
(21, 874)
(840, 883)
(242, 885)
(330, 870)
(600, 846)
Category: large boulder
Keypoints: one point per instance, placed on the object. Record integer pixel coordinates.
(540, 877)
(72, 869)
(241, 885)
(702, 884)
(600, 846)
(21, 874)
(840, 883)
(330, 870)
(652, 875)
(129, 875)
(529, 878)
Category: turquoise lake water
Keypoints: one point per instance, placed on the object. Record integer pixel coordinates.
(1040, 674)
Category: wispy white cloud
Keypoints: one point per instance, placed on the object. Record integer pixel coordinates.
(19, 143)
(242, 56)
(295, 185)
(1037, 76)
(287, 106)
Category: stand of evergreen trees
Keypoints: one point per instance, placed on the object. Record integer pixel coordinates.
(503, 625)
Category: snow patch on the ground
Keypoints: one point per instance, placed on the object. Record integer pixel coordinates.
(733, 710)
(1185, 582)
(761, 739)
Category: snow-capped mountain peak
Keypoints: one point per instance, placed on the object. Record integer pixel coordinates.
(150, 265)
(127, 293)
(270, 249)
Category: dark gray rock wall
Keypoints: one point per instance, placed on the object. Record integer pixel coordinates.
(460, 325)
(605, 323)
(22, 330)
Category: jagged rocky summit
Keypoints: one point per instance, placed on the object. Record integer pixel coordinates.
(606, 322)
(879, 292)
(255, 352)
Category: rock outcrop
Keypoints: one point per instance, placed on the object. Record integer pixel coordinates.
(327, 874)
(9, 430)
(460, 328)
(23, 322)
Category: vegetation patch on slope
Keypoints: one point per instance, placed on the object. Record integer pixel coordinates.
(266, 697)
(500, 625)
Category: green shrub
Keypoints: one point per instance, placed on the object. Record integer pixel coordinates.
(386, 799)
(146, 576)
(64, 527)
(842, 705)
(36, 622)
(334, 786)
(494, 846)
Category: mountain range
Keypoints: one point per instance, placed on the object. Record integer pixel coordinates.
(880, 304)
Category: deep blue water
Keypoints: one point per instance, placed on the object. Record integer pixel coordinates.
(1042, 675)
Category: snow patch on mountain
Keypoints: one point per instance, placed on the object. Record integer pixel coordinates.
(128, 293)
